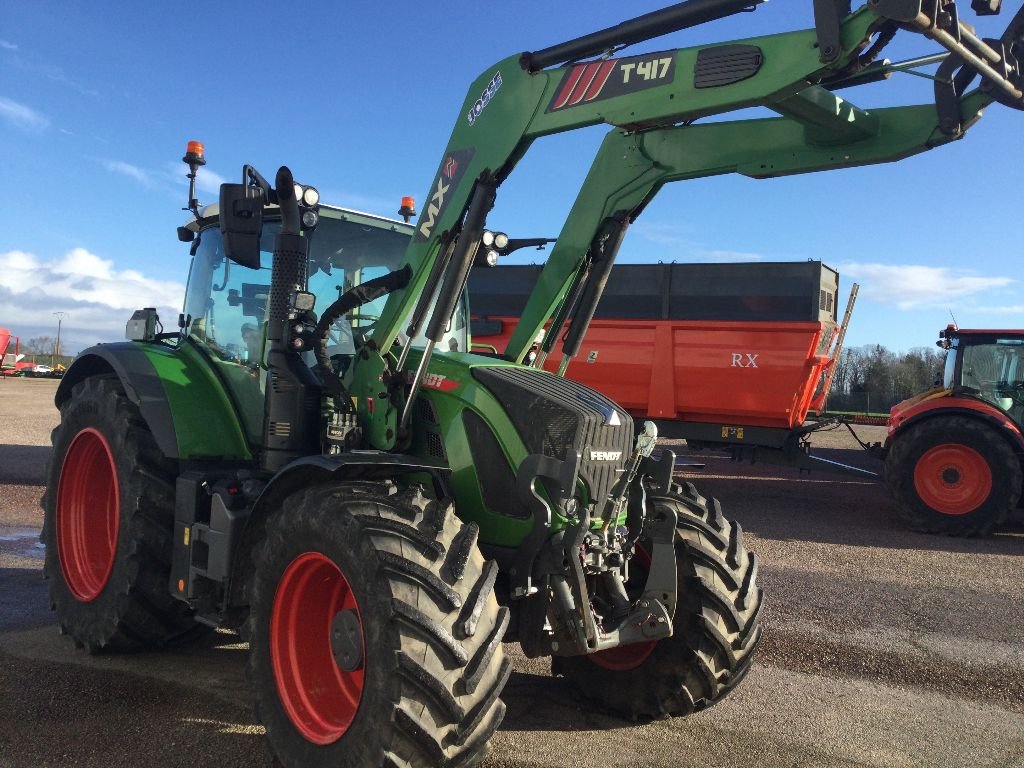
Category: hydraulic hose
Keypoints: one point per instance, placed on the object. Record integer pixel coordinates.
(352, 298)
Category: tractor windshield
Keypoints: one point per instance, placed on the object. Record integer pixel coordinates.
(227, 302)
(994, 369)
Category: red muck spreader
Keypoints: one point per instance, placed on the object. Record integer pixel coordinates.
(727, 356)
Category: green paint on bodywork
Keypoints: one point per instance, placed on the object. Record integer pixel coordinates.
(205, 420)
(449, 403)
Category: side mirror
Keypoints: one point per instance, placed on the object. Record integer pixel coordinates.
(241, 223)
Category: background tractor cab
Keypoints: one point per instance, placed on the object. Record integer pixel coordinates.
(988, 365)
(954, 453)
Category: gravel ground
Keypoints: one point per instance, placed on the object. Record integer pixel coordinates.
(882, 647)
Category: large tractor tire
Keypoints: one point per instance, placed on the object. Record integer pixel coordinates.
(375, 635)
(716, 628)
(108, 526)
(952, 475)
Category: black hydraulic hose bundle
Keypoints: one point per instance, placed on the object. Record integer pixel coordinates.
(352, 298)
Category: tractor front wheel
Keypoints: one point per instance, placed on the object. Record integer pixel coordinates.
(952, 475)
(375, 635)
(716, 628)
(107, 526)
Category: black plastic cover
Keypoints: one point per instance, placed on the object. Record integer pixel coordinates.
(726, 64)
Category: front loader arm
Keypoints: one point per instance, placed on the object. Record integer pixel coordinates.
(630, 168)
(518, 100)
(507, 107)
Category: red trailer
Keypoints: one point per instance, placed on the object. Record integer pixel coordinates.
(727, 356)
(10, 353)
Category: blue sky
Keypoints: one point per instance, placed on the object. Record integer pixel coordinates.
(98, 101)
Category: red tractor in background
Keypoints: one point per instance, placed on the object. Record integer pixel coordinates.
(953, 454)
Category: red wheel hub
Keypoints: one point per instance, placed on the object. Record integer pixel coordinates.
(88, 515)
(626, 657)
(953, 479)
(319, 697)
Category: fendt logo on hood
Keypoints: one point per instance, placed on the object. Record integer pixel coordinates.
(605, 455)
(453, 168)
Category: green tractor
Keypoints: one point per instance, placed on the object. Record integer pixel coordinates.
(317, 458)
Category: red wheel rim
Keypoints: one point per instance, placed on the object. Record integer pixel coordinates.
(318, 696)
(626, 657)
(88, 515)
(953, 479)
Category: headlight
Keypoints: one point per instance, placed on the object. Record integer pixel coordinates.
(310, 196)
(500, 240)
(487, 238)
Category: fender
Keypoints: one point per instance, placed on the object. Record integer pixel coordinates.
(965, 406)
(184, 404)
(314, 470)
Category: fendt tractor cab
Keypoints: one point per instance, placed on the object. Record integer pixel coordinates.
(316, 458)
(954, 453)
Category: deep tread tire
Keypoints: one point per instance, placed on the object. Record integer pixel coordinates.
(716, 629)
(135, 609)
(434, 667)
(908, 449)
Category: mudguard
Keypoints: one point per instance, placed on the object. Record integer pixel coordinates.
(905, 417)
(181, 399)
(313, 470)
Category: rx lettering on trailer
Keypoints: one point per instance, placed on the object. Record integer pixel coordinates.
(744, 360)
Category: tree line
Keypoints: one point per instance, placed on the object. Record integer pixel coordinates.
(873, 379)
(44, 349)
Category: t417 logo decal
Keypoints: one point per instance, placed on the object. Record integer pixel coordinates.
(608, 78)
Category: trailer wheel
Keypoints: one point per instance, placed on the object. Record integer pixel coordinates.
(375, 635)
(952, 475)
(716, 629)
(108, 524)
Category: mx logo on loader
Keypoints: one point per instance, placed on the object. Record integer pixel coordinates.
(453, 167)
(744, 360)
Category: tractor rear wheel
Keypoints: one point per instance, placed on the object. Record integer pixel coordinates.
(952, 475)
(108, 526)
(716, 629)
(375, 635)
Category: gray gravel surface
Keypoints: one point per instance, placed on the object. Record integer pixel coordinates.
(882, 647)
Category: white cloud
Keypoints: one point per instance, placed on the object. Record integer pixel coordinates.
(129, 170)
(22, 117)
(907, 285)
(664, 234)
(97, 297)
(8, 46)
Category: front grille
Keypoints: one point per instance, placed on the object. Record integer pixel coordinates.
(435, 446)
(554, 416)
